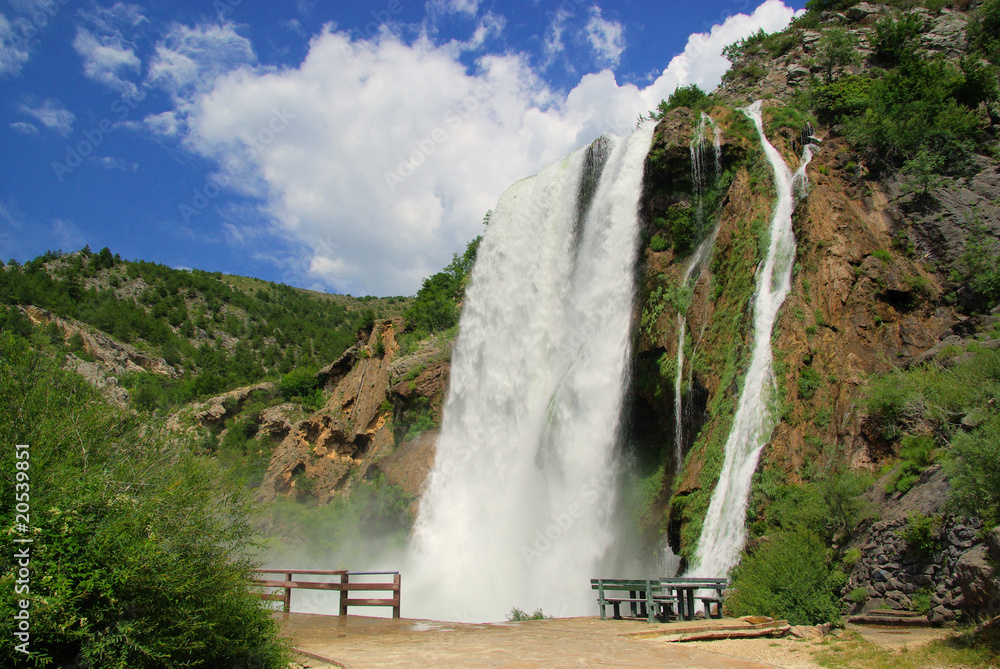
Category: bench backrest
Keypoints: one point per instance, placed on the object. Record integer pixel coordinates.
(624, 584)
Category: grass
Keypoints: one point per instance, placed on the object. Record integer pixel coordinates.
(966, 650)
(517, 615)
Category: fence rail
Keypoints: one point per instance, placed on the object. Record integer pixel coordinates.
(345, 586)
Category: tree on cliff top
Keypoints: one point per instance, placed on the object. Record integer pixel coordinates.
(435, 307)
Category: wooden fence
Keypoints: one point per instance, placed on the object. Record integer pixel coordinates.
(345, 586)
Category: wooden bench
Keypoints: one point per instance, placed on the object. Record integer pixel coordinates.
(685, 589)
(643, 596)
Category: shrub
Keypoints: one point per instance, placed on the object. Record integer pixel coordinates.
(830, 507)
(298, 383)
(141, 551)
(517, 615)
(846, 96)
(921, 532)
(809, 382)
(690, 96)
(917, 453)
(895, 41)
(984, 30)
(980, 270)
(658, 243)
(787, 577)
(975, 471)
(858, 595)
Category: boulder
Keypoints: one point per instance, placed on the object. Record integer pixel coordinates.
(862, 11)
(977, 580)
(797, 73)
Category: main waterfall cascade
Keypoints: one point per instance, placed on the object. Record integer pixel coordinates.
(724, 530)
(518, 508)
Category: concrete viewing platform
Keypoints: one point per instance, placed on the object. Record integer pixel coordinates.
(358, 642)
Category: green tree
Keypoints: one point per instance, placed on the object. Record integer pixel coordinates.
(837, 48)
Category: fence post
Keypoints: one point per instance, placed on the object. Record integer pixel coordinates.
(288, 593)
(344, 578)
(396, 595)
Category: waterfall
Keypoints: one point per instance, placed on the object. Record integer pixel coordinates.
(517, 510)
(693, 270)
(724, 530)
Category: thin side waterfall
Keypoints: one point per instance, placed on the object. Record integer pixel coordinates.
(724, 530)
(518, 508)
(678, 398)
(698, 179)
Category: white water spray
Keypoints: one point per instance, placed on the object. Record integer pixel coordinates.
(518, 507)
(724, 530)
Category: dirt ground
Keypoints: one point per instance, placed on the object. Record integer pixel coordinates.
(361, 643)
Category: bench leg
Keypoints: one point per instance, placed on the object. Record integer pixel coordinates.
(618, 614)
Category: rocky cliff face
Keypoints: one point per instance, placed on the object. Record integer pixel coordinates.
(104, 358)
(874, 289)
(357, 433)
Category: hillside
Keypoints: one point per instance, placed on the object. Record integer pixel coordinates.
(199, 333)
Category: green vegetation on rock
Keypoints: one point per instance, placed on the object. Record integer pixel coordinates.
(953, 409)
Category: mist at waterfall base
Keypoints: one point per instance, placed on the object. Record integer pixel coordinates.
(724, 530)
(521, 506)
(364, 531)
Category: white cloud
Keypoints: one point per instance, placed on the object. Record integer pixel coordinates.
(380, 157)
(53, 115)
(552, 42)
(164, 124)
(702, 61)
(607, 38)
(467, 7)
(13, 50)
(110, 163)
(107, 45)
(24, 128)
(106, 61)
(188, 57)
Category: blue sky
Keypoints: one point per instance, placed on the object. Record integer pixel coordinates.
(348, 147)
